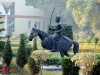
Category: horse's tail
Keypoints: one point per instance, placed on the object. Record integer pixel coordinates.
(76, 47)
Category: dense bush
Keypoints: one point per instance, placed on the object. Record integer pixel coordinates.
(28, 48)
(22, 56)
(97, 56)
(68, 67)
(2, 43)
(33, 66)
(96, 69)
(67, 32)
(51, 61)
(7, 52)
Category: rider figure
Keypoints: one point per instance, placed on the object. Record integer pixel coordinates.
(58, 33)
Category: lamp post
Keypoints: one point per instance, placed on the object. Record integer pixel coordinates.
(6, 4)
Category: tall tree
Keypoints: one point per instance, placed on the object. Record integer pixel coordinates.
(85, 12)
(7, 53)
(34, 42)
(60, 9)
(95, 40)
(32, 64)
(1, 22)
(22, 56)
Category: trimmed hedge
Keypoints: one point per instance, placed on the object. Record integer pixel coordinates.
(67, 32)
(68, 67)
(51, 61)
(96, 69)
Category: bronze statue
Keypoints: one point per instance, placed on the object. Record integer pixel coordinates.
(58, 33)
(56, 42)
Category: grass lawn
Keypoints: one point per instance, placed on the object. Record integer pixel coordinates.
(43, 73)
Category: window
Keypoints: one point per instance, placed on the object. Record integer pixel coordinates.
(35, 25)
(39, 25)
(29, 25)
(11, 21)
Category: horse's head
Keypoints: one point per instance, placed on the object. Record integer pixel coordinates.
(31, 34)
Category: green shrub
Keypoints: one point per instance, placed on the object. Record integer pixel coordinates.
(33, 66)
(96, 69)
(22, 56)
(14, 53)
(2, 43)
(1, 54)
(97, 56)
(28, 51)
(7, 52)
(51, 61)
(28, 48)
(68, 67)
(67, 32)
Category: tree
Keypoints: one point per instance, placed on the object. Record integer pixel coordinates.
(22, 56)
(47, 7)
(88, 40)
(7, 53)
(1, 22)
(32, 64)
(85, 12)
(34, 42)
(95, 40)
(40, 55)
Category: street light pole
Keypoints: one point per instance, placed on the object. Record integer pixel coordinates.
(6, 5)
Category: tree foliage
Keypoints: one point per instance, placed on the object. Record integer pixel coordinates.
(95, 40)
(85, 12)
(1, 22)
(33, 66)
(2, 44)
(47, 7)
(22, 56)
(85, 61)
(67, 32)
(34, 42)
(7, 53)
(96, 69)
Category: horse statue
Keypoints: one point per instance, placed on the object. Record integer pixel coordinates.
(63, 45)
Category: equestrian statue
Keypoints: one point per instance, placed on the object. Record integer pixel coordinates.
(56, 42)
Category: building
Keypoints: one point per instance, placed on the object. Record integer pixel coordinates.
(22, 18)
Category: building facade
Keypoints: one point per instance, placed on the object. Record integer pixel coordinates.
(22, 18)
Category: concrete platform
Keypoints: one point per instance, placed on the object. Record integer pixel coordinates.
(51, 68)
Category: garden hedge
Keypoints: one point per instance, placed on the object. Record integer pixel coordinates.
(96, 69)
(68, 67)
(67, 32)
